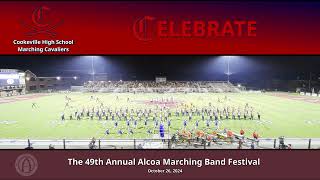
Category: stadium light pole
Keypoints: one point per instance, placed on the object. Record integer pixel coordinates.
(228, 67)
(310, 78)
(228, 70)
(92, 67)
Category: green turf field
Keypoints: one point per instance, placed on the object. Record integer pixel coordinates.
(279, 116)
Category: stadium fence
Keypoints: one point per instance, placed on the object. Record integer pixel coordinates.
(262, 143)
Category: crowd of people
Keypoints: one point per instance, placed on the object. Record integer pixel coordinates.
(167, 85)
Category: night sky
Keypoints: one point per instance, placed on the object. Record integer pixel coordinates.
(243, 68)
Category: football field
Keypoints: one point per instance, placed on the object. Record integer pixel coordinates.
(282, 114)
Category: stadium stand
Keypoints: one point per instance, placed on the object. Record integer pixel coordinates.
(160, 87)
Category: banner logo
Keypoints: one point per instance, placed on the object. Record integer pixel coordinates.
(42, 21)
(26, 165)
(39, 17)
(142, 28)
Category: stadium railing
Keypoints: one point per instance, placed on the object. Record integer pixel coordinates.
(262, 143)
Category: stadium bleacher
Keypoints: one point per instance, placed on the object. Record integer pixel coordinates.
(161, 87)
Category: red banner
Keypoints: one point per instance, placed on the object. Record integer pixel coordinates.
(159, 27)
(225, 164)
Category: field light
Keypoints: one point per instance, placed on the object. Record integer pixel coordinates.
(92, 71)
(92, 67)
(75, 77)
(239, 85)
(58, 78)
(228, 73)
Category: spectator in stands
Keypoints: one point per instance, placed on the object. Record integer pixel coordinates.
(51, 146)
(252, 145)
(178, 86)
